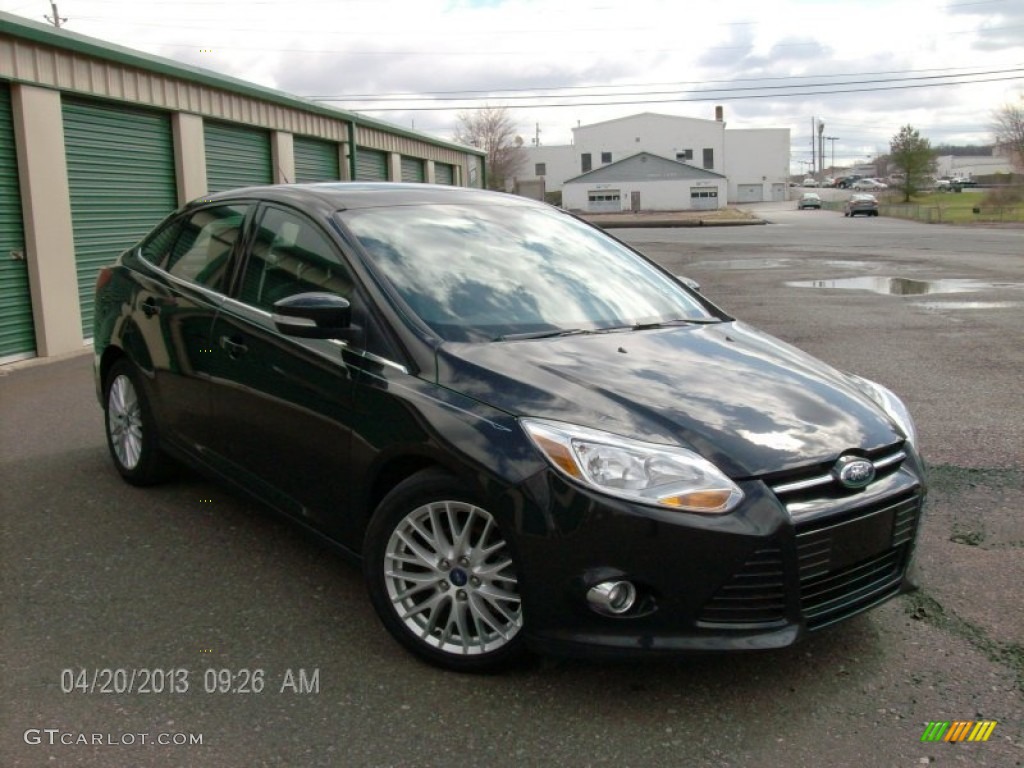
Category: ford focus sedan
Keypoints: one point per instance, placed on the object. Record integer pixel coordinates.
(531, 436)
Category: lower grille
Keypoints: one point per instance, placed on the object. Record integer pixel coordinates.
(848, 565)
(834, 596)
(754, 596)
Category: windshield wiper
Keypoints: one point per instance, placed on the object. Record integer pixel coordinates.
(550, 333)
(665, 324)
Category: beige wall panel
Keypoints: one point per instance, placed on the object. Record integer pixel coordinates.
(46, 202)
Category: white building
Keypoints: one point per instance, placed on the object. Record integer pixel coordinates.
(754, 162)
(645, 182)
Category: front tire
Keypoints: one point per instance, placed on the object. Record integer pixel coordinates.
(131, 429)
(442, 575)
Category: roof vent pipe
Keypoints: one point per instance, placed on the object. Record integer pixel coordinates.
(719, 114)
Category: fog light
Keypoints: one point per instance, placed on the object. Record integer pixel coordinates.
(612, 597)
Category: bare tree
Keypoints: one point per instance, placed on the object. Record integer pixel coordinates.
(492, 130)
(1008, 126)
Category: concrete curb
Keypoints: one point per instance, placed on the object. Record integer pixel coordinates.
(662, 223)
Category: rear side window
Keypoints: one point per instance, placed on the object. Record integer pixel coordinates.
(198, 247)
(291, 255)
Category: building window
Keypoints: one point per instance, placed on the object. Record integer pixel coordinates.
(606, 157)
(585, 162)
(686, 154)
(540, 169)
(709, 157)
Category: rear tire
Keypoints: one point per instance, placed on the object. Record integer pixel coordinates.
(443, 576)
(131, 429)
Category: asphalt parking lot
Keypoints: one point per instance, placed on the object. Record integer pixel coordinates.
(286, 664)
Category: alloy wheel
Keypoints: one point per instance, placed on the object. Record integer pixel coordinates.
(451, 579)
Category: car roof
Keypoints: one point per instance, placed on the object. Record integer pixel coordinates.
(347, 195)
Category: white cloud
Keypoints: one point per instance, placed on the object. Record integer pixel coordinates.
(570, 53)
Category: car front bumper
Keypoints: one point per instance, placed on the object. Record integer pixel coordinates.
(762, 577)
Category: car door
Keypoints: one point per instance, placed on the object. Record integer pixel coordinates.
(174, 311)
(282, 406)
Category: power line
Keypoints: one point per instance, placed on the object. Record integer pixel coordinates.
(497, 93)
(713, 97)
(787, 86)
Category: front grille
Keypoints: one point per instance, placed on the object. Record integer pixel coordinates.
(816, 480)
(754, 596)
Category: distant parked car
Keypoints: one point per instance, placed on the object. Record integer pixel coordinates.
(869, 184)
(809, 200)
(863, 204)
(809, 182)
(848, 181)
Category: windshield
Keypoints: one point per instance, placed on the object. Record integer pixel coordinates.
(483, 272)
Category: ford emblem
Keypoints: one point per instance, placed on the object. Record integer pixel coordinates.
(854, 472)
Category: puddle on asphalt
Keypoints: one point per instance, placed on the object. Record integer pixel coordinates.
(967, 304)
(901, 286)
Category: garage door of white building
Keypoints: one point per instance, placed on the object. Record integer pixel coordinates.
(704, 199)
(604, 200)
(749, 193)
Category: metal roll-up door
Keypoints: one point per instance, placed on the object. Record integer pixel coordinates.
(315, 160)
(122, 183)
(371, 165)
(412, 170)
(443, 174)
(236, 156)
(17, 334)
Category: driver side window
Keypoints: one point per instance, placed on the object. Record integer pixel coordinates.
(290, 255)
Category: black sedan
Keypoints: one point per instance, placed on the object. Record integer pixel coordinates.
(530, 435)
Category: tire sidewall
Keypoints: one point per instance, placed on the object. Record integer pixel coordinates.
(420, 489)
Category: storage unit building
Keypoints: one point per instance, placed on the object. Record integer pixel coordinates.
(99, 142)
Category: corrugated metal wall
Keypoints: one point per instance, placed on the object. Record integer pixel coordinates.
(17, 333)
(236, 156)
(315, 160)
(121, 179)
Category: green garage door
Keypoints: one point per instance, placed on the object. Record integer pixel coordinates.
(236, 156)
(412, 170)
(371, 165)
(443, 174)
(17, 334)
(121, 179)
(315, 160)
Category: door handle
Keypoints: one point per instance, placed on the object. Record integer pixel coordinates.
(150, 307)
(235, 347)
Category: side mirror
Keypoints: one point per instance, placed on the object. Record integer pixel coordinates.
(313, 316)
(693, 285)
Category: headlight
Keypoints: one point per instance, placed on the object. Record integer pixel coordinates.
(662, 475)
(888, 402)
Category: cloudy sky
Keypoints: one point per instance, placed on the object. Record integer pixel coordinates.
(864, 67)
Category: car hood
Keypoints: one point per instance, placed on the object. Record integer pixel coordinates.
(741, 398)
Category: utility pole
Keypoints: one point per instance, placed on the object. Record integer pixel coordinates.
(833, 139)
(821, 147)
(536, 138)
(57, 19)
